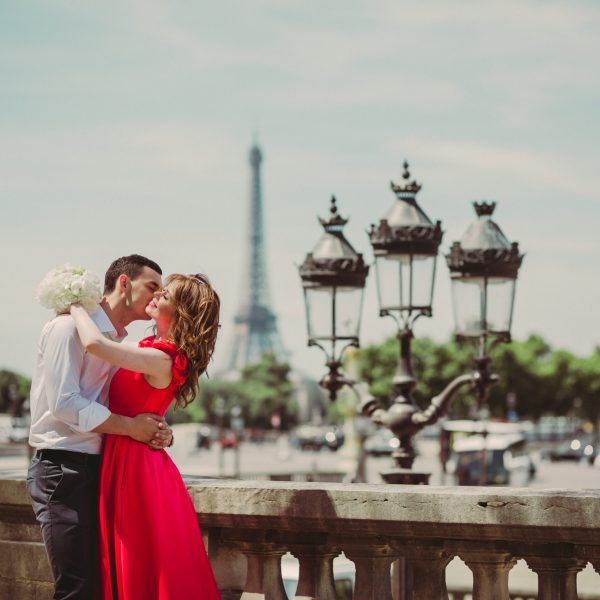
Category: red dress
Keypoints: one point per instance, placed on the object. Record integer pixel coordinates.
(151, 547)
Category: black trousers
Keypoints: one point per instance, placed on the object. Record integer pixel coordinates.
(64, 490)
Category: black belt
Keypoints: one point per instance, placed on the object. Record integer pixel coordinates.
(68, 456)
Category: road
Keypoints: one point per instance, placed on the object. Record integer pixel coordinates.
(281, 458)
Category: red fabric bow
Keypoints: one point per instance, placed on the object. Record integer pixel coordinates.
(179, 368)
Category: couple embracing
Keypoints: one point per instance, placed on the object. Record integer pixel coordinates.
(116, 518)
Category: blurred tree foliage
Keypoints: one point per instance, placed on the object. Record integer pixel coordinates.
(14, 390)
(264, 389)
(544, 381)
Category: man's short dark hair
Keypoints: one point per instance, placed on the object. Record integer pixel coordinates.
(131, 266)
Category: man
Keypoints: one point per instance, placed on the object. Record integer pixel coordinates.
(69, 414)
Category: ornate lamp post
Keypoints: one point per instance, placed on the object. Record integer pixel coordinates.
(483, 266)
(405, 244)
(333, 278)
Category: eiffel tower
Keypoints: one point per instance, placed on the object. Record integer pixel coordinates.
(256, 330)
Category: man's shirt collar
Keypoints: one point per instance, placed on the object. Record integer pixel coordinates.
(105, 325)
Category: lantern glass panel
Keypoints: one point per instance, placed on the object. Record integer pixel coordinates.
(405, 281)
(333, 312)
(318, 311)
(482, 305)
(348, 312)
(423, 280)
(500, 297)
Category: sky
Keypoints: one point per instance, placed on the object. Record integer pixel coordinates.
(125, 127)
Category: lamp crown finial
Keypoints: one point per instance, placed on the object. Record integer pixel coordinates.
(484, 209)
(335, 222)
(407, 188)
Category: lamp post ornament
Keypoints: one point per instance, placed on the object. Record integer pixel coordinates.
(483, 268)
(333, 279)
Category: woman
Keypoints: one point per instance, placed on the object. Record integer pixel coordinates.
(151, 547)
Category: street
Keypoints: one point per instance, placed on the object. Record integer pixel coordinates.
(280, 458)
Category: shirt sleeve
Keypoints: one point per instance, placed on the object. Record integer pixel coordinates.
(63, 362)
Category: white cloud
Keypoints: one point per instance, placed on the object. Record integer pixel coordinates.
(145, 112)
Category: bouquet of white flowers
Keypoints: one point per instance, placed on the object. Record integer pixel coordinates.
(66, 285)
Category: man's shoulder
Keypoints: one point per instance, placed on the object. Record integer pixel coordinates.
(60, 326)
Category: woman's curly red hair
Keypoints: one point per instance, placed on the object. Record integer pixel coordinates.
(194, 328)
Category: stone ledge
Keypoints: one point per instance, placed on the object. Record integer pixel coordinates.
(422, 511)
(510, 514)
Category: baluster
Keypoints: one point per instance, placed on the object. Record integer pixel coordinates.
(263, 578)
(490, 569)
(230, 570)
(315, 581)
(557, 576)
(373, 560)
(425, 571)
(228, 562)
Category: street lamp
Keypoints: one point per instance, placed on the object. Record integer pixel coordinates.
(333, 278)
(405, 245)
(484, 267)
(483, 263)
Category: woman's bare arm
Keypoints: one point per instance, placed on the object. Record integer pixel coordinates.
(150, 361)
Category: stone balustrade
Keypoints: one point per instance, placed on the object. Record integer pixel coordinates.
(250, 525)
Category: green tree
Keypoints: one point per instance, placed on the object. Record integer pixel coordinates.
(544, 381)
(586, 385)
(267, 390)
(14, 389)
(202, 409)
(435, 365)
(262, 390)
(525, 369)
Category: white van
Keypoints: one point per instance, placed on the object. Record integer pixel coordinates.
(494, 459)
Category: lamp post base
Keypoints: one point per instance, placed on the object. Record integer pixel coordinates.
(405, 477)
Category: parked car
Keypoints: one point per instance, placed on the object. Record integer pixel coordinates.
(381, 442)
(19, 429)
(229, 439)
(575, 449)
(316, 437)
(204, 437)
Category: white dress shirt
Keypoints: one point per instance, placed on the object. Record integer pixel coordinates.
(69, 389)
